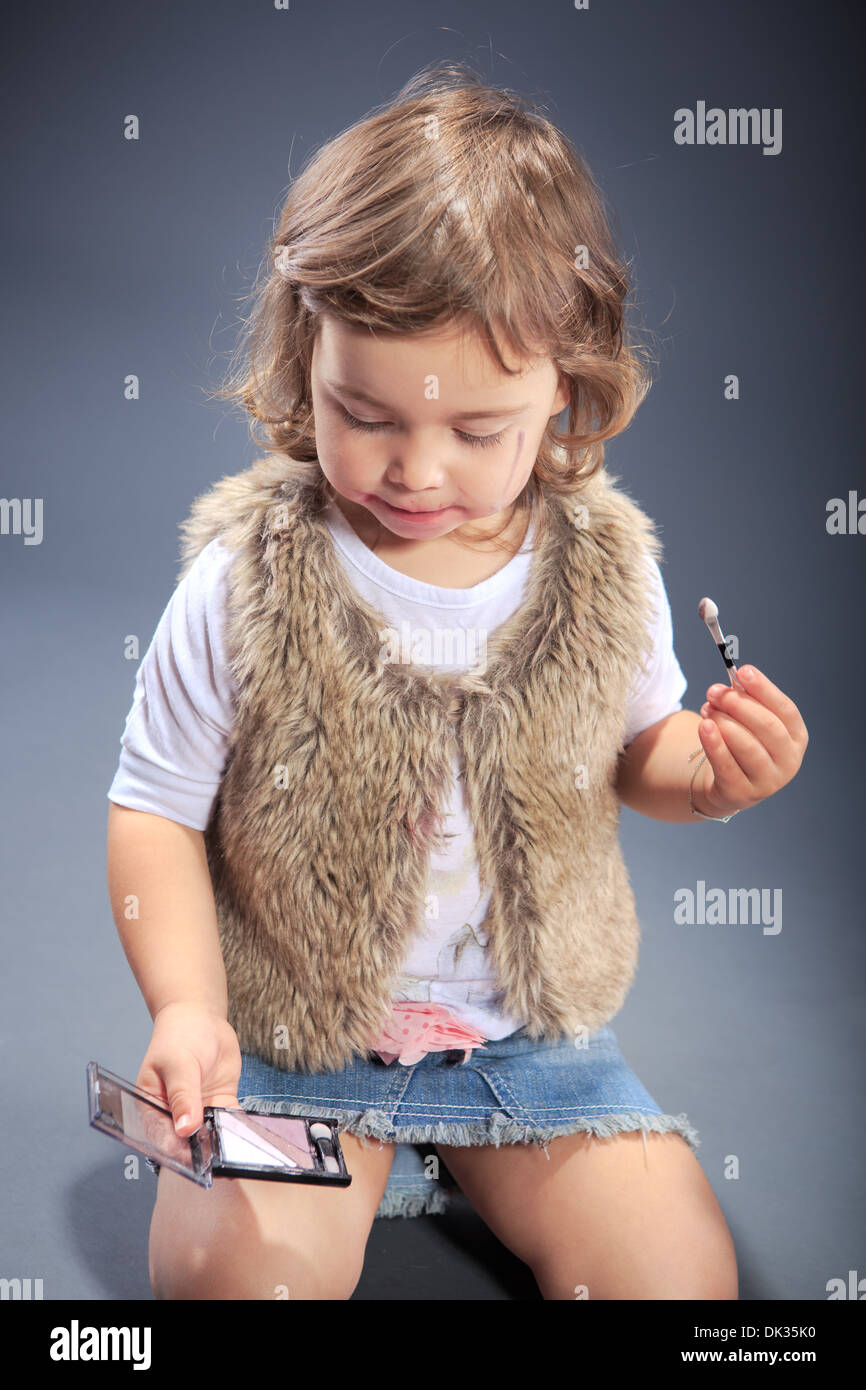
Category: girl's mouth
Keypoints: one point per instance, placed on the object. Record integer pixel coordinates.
(414, 516)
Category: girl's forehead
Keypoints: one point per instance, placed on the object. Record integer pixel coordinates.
(344, 351)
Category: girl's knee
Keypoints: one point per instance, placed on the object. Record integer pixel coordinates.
(228, 1244)
(714, 1274)
(706, 1275)
(675, 1255)
(278, 1273)
(709, 1275)
(246, 1280)
(700, 1264)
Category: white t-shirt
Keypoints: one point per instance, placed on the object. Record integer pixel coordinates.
(175, 740)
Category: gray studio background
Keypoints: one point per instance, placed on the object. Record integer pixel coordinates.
(131, 257)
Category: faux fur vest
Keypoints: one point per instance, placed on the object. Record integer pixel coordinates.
(340, 763)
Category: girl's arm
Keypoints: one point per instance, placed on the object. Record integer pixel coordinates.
(163, 907)
(754, 739)
(162, 901)
(654, 770)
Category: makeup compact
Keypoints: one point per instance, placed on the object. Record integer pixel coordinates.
(229, 1144)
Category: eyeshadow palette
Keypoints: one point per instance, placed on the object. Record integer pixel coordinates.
(231, 1143)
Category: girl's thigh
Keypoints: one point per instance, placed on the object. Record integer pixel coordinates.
(246, 1239)
(604, 1218)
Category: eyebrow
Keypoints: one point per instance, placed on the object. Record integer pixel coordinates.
(461, 415)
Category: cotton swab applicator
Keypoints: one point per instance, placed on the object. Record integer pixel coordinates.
(709, 613)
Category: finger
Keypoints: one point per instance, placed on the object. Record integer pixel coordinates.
(148, 1080)
(729, 785)
(761, 722)
(181, 1081)
(220, 1082)
(763, 689)
(750, 759)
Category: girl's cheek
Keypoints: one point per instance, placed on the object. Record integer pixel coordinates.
(343, 467)
(332, 447)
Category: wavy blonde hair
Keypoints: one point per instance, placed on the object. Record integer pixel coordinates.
(457, 203)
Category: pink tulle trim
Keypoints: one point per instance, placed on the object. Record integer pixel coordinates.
(416, 1029)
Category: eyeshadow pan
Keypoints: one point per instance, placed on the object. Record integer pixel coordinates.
(290, 1132)
(237, 1147)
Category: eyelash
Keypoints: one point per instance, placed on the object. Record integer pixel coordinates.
(476, 441)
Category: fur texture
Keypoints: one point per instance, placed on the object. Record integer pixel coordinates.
(339, 766)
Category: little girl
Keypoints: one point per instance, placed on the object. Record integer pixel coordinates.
(369, 789)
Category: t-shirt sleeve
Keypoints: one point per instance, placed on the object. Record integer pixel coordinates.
(658, 689)
(175, 740)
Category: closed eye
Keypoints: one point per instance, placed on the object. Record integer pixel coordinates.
(484, 441)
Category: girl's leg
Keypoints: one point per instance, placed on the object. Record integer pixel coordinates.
(604, 1218)
(266, 1240)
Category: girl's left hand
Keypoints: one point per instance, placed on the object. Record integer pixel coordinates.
(754, 740)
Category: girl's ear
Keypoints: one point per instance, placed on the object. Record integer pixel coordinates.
(563, 394)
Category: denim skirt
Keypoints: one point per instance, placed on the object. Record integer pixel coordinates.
(515, 1091)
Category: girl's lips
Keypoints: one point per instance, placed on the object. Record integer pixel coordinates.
(412, 515)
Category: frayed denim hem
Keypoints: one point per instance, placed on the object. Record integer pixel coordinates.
(431, 1197)
(426, 1201)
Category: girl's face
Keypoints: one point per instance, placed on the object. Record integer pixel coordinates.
(425, 432)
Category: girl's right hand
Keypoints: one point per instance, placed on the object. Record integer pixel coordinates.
(194, 1059)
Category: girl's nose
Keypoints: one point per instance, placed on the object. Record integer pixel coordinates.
(416, 470)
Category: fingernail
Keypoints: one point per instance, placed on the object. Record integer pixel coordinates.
(184, 1120)
(747, 673)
